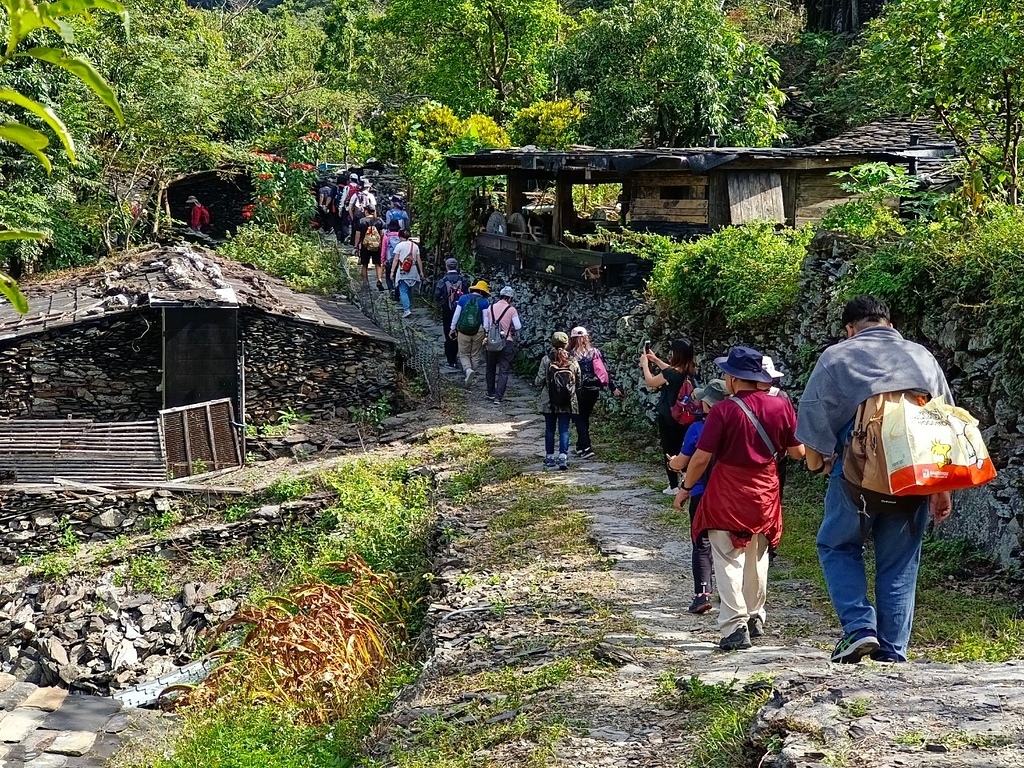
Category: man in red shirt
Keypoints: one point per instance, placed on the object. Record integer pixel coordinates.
(742, 505)
(198, 216)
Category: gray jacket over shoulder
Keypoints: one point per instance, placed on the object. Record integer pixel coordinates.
(876, 360)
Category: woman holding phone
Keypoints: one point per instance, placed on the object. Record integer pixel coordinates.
(668, 381)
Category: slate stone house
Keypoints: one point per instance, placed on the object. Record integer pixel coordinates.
(167, 327)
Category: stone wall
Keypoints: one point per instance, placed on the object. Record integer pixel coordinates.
(620, 322)
(107, 369)
(37, 521)
(313, 370)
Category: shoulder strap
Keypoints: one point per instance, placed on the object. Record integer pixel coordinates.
(757, 425)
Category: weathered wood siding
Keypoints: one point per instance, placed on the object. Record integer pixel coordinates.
(680, 198)
(816, 192)
(755, 196)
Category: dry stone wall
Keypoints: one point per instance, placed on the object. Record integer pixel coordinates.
(620, 322)
(107, 369)
(310, 369)
(35, 521)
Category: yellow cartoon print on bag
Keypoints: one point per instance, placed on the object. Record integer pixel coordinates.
(941, 451)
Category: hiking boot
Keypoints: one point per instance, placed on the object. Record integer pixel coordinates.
(737, 641)
(755, 627)
(549, 462)
(563, 461)
(380, 286)
(586, 453)
(701, 603)
(855, 646)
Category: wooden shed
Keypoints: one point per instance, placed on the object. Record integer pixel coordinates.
(678, 192)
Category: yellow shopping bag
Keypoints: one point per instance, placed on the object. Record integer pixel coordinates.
(933, 447)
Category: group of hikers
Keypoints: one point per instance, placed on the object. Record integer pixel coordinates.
(348, 211)
(726, 442)
(482, 334)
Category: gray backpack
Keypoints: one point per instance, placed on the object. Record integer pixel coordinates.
(495, 338)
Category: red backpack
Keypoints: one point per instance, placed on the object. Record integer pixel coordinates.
(686, 410)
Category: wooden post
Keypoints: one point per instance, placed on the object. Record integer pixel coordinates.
(514, 197)
(563, 213)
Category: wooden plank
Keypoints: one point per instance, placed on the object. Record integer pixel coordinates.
(81, 486)
(680, 206)
(718, 199)
(755, 195)
(668, 179)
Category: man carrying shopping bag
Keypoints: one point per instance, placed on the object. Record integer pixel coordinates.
(873, 360)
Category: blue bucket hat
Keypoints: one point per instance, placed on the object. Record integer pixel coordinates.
(744, 363)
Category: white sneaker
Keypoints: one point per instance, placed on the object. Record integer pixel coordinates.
(469, 376)
(407, 313)
(670, 491)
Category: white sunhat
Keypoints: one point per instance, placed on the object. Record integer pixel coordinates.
(769, 367)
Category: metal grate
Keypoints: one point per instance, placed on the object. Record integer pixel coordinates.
(200, 438)
(419, 352)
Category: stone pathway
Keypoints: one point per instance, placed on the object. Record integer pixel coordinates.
(630, 598)
(47, 728)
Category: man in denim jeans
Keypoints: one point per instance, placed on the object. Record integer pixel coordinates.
(874, 359)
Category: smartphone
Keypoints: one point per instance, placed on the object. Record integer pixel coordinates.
(647, 346)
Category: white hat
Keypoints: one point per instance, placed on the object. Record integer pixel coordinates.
(769, 367)
(507, 292)
(578, 331)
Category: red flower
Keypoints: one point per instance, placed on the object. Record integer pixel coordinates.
(265, 176)
(302, 166)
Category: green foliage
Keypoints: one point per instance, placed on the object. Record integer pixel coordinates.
(959, 61)
(146, 573)
(484, 129)
(547, 124)
(487, 56)
(743, 275)
(635, 86)
(720, 718)
(449, 207)
(879, 187)
(283, 184)
(974, 264)
(290, 488)
(299, 259)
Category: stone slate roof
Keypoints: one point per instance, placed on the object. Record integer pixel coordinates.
(902, 135)
(162, 276)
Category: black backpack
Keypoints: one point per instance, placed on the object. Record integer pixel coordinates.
(588, 374)
(561, 385)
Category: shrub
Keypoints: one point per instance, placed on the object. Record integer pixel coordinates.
(485, 130)
(744, 275)
(298, 259)
(547, 124)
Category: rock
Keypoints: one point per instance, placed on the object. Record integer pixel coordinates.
(53, 649)
(124, 656)
(111, 518)
(222, 607)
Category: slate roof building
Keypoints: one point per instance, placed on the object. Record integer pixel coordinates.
(168, 327)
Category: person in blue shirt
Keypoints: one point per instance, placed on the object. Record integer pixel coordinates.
(701, 563)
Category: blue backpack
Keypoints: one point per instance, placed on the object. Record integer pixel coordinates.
(397, 214)
(392, 240)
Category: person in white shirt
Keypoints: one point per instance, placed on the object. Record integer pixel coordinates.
(406, 269)
(499, 363)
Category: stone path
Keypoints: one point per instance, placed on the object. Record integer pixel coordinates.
(638, 580)
(47, 728)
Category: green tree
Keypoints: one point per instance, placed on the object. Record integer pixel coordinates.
(671, 73)
(23, 19)
(963, 62)
(486, 56)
